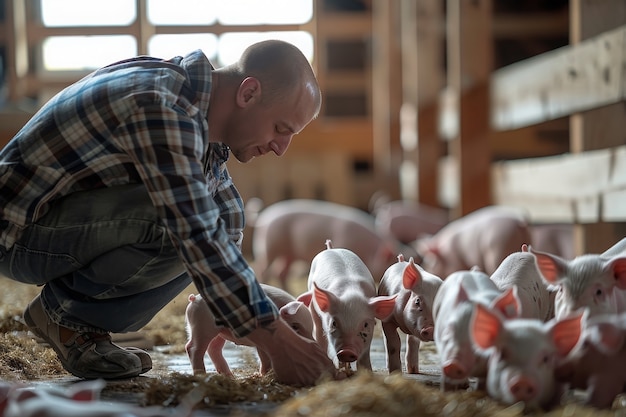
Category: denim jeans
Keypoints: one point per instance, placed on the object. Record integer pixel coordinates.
(104, 258)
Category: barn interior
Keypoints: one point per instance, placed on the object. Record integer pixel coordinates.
(456, 104)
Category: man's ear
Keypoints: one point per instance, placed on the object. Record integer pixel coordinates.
(249, 91)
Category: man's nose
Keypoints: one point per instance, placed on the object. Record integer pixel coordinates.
(280, 145)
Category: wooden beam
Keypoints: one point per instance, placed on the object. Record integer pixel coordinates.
(585, 188)
(422, 43)
(470, 62)
(602, 127)
(386, 90)
(561, 82)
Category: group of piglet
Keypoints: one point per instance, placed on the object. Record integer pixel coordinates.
(523, 324)
(538, 325)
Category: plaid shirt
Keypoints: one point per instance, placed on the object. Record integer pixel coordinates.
(142, 120)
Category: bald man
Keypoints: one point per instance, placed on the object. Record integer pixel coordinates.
(115, 197)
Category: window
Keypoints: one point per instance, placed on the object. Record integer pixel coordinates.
(98, 33)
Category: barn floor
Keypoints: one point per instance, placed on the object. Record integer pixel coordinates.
(364, 394)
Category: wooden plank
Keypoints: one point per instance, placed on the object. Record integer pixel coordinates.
(587, 187)
(561, 82)
(422, 79)
(386, 89)
(470, 62)
(600, 127)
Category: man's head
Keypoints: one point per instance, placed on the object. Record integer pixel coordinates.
(260, 102)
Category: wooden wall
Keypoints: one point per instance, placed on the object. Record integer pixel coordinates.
(457, 104)
(492, 117)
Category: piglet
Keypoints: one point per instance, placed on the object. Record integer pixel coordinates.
(415, 291)
(452, 311)
(523, 354)
(80, 400)
(294, 230)
(206, 336)
(598, 363)
(482, 238)
(519, 269)
(344, 306)
(597, 282)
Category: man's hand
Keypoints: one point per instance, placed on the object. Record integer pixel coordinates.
(295, 360)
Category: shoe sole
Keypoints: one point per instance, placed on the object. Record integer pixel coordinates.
(33, 328)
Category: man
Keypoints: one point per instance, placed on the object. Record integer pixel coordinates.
(115, 196)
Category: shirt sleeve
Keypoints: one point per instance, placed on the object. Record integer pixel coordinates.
(167, 148)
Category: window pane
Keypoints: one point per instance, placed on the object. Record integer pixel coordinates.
(182, 12)
(88, 12)
(168, 46)
(231, 45)
(259, 12)
(87, 52)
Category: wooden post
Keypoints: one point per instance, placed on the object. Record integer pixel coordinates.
(599, 128)
(422, 33)
(470, 63)
(386, 97)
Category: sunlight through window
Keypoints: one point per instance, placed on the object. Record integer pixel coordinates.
(88, 52)
(60, 13)
(168, 46)
(78, 53)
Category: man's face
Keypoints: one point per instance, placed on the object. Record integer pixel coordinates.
(258, 127)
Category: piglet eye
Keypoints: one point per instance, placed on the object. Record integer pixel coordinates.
(418, 302)
(598, 292)
(366, 325)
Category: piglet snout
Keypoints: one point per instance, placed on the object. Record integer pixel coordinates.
(523, 388)
(347, 355)
(454, 369)
(426, 334)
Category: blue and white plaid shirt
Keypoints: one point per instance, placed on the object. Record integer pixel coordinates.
(142, 120)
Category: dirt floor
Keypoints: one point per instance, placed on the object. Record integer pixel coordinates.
(170, 382)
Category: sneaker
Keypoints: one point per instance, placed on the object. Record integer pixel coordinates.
(86, 355)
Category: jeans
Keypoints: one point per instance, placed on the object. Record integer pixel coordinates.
(104, 258)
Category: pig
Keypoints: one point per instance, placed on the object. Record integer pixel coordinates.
(204, 335)
(343, 302)
(482, 238)
(452, 311)
(408, 221)
(595, 281)
(520, 270)
(522, 355)
(293, 230)
(415, 290)
(598, 363)
(80, 400)
(554, 238)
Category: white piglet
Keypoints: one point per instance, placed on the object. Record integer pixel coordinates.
(523, 354)
(519, 270)
(206, 336)
(598, 363)
(412, 314)
(344, 306)
(597, 282)
(452, 311)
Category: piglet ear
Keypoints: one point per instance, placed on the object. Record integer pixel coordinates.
(383, 305)
(566, 333)
(323, 298)
(485, 327)
(461, 295)
(508, 303)
(618, 265)
(305, 298)
(411, 275)
(608, 337)
(291, 309)
(551, 267)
